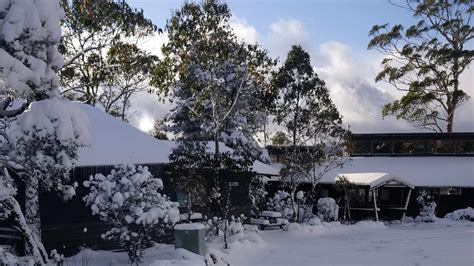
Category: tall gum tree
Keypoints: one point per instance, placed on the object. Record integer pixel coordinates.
(426, 60)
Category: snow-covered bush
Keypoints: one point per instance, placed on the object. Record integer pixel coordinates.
(314, 221)
(129, 199)
(327, 209)
(281, 202)
(427, 209)
(461, 214)
(6, 258)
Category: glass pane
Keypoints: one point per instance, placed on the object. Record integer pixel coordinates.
(361, 147)
(404, 147)
(445, 146)
(382, 147)
(465, 146)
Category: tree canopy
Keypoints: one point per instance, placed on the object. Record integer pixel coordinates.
(426, 60)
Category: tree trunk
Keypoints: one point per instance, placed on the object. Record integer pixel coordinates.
(449, 127)
(33, 244)
(32, 212)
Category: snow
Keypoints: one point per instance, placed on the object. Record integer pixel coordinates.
(443, 242)
(427, 171)
(365, 243)
(270, 214)
(55, 117)
(461, 214)
(115, 142)
(194, 216)
(191, 226)
(375, 179)
(29, 64)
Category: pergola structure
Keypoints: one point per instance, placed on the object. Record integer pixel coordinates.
(377, 181)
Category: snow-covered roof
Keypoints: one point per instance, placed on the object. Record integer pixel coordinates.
(439, 171)
(374, 179)
(115, 142)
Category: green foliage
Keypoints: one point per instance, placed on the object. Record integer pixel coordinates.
(311, 120)
(305, 104)
(425, 60)
(280, 138)
(189, 165)
(218, 83)
(93, 36)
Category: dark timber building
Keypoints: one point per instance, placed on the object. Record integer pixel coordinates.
(66, 226)
(391, 170)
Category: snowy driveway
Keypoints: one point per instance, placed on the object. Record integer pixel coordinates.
(441, 243)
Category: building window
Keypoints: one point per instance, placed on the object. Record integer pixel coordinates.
(361, 147)
(357, 195)
(182, 198)
(445, 146)
(404, 147)
(452, 191)
(385, 195)
(465, 146)
(424, 146)
(383, 147)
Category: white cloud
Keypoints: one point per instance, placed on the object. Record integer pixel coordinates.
(349, 78)
(283, 34)
(243, 30)
(154, 43)
(356, 97)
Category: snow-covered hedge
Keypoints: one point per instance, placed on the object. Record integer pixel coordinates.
(461, 214)
(327, 209)
(129, 199)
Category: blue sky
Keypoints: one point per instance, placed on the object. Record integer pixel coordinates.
(335, 33)
(347, 21)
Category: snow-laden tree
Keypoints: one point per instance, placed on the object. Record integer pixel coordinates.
(129, 199)
(29, 58)
(215, 81)
(46, 139)
(312, 122)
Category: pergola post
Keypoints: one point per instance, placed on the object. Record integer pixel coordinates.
(406, 205)
(375, 205)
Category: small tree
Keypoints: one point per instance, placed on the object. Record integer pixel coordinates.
(129, 200)
(189, 164)
(228, 164)
(427, 208)
(312, 122)
(426, 60)
(346, 189)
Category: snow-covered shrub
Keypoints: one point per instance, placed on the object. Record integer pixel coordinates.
(129, 199)
(6, 258)
(461, 214)
(314, 221)
(235, 226)
(257, 194)
(427, 209)
(281, 202)
(327, 209)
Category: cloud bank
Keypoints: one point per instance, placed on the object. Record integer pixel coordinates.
(348, 75)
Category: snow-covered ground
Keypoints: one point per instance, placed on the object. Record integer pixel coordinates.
(367, 243)
(440, 243)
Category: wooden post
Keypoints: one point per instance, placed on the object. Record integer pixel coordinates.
(375, 205)
(406, 205)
